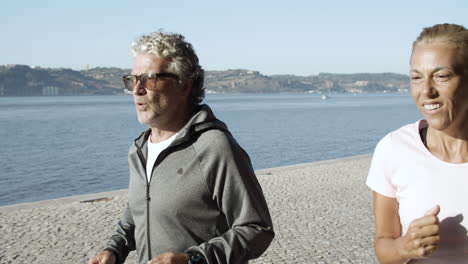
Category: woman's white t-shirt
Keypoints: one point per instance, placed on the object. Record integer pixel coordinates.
(403, 168)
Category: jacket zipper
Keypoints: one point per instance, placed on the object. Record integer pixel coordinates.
(148, 199)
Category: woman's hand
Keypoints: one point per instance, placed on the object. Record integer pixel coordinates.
(420, 241)
(422, 237)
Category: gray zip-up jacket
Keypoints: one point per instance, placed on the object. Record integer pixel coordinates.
(203, 196)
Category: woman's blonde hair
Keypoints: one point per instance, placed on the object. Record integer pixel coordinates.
(451, 34)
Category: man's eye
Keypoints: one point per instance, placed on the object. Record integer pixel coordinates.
(414, 78)
(443, 76)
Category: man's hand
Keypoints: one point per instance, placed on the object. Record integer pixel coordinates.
(422, 238)
(170, 258)
(105, 257)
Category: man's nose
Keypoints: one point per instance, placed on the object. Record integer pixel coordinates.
(138, 89)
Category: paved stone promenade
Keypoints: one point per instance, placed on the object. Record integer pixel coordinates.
(322, 213)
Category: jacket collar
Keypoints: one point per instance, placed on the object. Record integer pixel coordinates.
(203, 119)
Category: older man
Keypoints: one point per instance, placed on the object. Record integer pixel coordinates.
(193, 195)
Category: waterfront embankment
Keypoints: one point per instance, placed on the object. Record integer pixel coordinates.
(322, 213)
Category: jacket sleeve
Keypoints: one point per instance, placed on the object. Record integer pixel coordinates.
(237, 192)
(123, 240)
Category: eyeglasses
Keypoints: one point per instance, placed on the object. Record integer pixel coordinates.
(147, 80)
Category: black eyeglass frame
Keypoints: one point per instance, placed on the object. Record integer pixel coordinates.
(131, 80)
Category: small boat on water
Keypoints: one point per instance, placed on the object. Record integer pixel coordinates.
(325, 97)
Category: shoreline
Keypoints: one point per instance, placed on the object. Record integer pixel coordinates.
(321, 211)
(96, 197)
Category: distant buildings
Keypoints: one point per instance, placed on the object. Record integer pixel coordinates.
(50, 90)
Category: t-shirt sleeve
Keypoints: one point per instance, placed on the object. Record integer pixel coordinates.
(380, 172)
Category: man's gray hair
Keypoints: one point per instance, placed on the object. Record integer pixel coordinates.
(182, 58)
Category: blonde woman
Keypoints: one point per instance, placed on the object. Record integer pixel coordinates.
(419, 173)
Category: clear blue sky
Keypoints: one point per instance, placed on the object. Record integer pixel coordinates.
(273, 37)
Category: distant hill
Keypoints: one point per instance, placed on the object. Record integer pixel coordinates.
(245, 81)
(22, 80)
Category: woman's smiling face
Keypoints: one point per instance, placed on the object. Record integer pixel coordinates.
(439, 86)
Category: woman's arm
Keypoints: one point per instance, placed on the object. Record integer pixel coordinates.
(420, 241)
